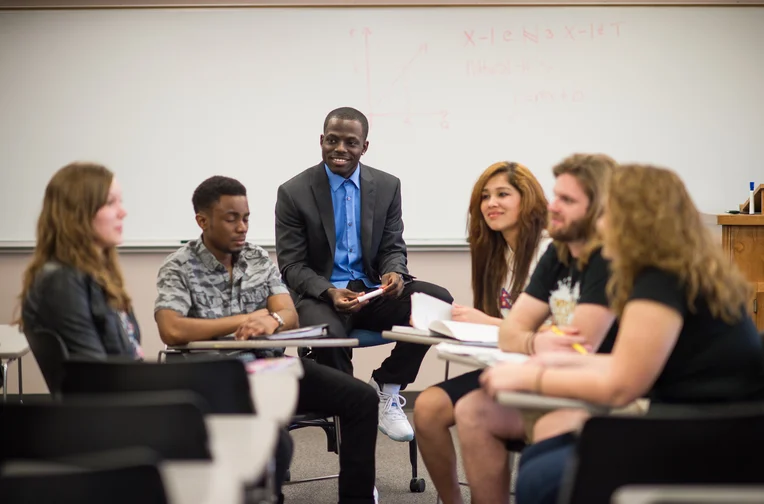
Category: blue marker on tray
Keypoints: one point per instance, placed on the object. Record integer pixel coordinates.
(750, 199)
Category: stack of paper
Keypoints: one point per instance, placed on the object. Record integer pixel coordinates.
(488, 356)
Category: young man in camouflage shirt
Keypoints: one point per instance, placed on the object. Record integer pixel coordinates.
(220, 285)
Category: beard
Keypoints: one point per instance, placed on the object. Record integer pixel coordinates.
(576, 230)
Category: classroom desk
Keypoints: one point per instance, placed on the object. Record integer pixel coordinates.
(525, 400)
(275, 392)
(528, 401)
(242, 447)
(466, 360)
(422, 340)
(415, 338)
(13, 346)
(263, 343)
(689, 494)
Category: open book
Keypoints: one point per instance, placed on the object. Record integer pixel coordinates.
(433, 315)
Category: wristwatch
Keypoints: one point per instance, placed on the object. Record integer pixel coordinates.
(278, 319)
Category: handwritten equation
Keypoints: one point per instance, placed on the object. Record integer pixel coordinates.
(506, 67)
(546, 96)
(537, 35)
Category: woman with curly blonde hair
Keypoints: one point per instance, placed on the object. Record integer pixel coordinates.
(685, 335)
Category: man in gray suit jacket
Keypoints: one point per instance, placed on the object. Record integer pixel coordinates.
(339, 233)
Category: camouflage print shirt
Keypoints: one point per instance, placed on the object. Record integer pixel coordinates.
(192, 282)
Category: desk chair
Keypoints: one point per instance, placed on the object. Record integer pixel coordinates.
(122, 477)
(366, 339)
(50, 353)
(715, 448)
(222, 384)
(170, 424)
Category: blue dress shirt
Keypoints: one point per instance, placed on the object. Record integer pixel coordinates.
(346, 200)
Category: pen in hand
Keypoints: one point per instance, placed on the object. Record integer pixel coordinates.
(576, 346)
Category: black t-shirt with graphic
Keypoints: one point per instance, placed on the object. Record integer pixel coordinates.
(713, 361)
(565, 286)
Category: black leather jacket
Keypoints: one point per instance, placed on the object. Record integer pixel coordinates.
(70, 303)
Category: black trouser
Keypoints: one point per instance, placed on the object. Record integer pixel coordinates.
(328, 391)
(383, 312)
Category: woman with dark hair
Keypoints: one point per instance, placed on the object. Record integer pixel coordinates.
(506, 227)
(74, 286)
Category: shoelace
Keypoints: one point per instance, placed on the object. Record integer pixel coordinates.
(398, 413)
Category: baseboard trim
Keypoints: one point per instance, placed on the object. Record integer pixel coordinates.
(28, 398)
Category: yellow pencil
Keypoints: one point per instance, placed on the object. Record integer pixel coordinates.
(576, 346)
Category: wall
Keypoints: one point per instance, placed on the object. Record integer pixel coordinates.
(449, 269)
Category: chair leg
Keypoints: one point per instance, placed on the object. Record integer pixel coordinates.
(332, 434)
(416, 485)
(333, 437)
(337, 435)
(514, 461)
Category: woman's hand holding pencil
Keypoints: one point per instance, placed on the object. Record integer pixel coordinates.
(576, 346)
(555, 339)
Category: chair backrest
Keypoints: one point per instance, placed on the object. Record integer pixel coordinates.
(124, 476)
(50, 353)
(617, 451)
(170, 424)
(222, 383)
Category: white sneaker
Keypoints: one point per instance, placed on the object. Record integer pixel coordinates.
(392, 420)
(376, 496)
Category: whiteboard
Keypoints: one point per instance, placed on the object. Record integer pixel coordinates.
(168, 97)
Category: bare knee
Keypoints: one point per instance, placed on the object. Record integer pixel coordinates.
(477, 411)
(433, 408)
(472, 408)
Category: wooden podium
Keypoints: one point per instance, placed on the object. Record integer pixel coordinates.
(743, 241)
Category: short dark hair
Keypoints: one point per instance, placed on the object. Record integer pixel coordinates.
(349, 114)
(209, 192)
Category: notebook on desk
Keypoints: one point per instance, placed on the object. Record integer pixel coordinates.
(307, 332)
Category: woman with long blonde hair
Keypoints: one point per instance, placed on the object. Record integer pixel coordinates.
(685, 335)
(73, 286)
(506, 232)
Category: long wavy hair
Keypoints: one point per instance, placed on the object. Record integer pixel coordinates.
(65, 231)
(593, 172)
(488, 248)
(654, 223)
